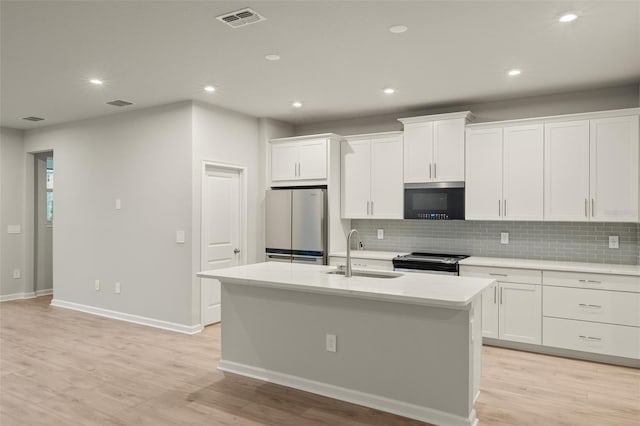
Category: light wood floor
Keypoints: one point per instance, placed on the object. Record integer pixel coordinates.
(59, 367)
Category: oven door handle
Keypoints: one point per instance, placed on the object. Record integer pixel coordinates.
(425, 271)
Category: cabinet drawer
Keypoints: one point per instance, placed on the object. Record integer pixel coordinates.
(509, 275)
(607, 339)
(595, 281)
(610, 307)
(381, 265)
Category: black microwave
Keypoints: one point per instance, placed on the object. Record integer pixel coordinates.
(434, 201)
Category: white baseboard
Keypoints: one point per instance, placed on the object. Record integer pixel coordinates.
(27, 295)
(382, 403)
(151, 322)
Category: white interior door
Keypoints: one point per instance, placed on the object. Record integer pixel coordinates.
(221, 233)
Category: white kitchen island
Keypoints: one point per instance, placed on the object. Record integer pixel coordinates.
(409, 345)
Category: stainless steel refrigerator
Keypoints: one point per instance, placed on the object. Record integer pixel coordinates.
(296, 226)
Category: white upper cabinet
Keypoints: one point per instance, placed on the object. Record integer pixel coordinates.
(483, 188)
(372, 185)
(614, 169)
(434, 147)
(299, 160)
(566, 171)
(504, 173)
(522, 173)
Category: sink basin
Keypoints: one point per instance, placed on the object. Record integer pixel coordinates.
(367, 274)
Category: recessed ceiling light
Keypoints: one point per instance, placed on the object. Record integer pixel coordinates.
(389, 90)
(397, 29)
(514, 72)
(96, 81)
(568, 17)
(297, 104)
(272, 57)
(209, 89)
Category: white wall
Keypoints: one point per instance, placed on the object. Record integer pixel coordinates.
(144, 159)
(627, 96)
(227, 137)
(11, 210)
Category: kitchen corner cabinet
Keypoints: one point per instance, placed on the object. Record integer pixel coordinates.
(299, 160)
(434, 148)
(512, 306)
(591, 170)
(372, 185)
(504, 171)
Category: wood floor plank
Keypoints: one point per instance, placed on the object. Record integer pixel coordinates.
(61, 367)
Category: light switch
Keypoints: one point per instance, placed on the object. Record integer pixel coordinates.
(381, 234)
(116, 288)
(504, 238)
(614, 241)
(16, 273)
(180, 237)
(118, 204)
(13, 229)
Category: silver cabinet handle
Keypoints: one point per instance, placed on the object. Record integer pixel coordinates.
(495, 290)
(367, 208)
(372, 208)
(236, 251)
(593, 212)
(435, 174)
(596, 339)
(590, 281)
(499, 208)
(499, 275)
(429, 170)
(505, 208)
(501, 295)
(586, 212)
(586, 305)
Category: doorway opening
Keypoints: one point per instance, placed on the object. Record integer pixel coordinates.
(43, 223)
(223, 230)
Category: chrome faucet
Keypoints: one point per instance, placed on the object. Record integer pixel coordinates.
(347, 272)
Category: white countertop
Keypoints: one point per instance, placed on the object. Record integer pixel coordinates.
(421, 289)
(553, 265)
(369, 254)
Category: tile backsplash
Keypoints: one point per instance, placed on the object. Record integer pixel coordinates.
(569, 241)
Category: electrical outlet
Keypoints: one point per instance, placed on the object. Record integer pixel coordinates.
(331, 343)
(17, 273)
(614, 242)
(381, 234)
(116, 288)
(504, 238)
(97, 285)
(118, 204)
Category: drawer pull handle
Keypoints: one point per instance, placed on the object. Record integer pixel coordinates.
(499, 275)
(594, 339)
(585, 305)
(590, 281)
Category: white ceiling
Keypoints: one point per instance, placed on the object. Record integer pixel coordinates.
(336, 56)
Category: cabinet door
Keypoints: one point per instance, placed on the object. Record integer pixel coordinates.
(313, 159)
(483, 191)
(614, 169)
(284, 161)
(520, 312)
(387, 192)
(522, 177)
(418, 152)
(448, 150)
(356, 179)
(490, 312)
(566, 171)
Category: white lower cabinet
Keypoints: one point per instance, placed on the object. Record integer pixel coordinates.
(512, 306)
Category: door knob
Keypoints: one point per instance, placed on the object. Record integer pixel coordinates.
(236, 251)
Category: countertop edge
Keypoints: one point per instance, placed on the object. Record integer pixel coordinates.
(552, 265)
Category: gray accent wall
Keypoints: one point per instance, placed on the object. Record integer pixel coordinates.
(567, 241)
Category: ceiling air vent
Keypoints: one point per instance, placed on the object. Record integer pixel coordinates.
(240, 18)
(119, 103)
(32, 118)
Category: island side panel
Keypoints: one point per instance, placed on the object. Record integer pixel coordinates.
(415, 354)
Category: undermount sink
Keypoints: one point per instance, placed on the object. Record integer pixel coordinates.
(367, 274)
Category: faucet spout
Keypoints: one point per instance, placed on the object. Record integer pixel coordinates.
(348, 271)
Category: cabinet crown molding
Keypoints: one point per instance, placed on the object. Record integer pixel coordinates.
(374, 135)
(557, 118)
(306, 137)
(467, 115)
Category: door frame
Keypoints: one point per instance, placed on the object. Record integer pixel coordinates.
(242, 172)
